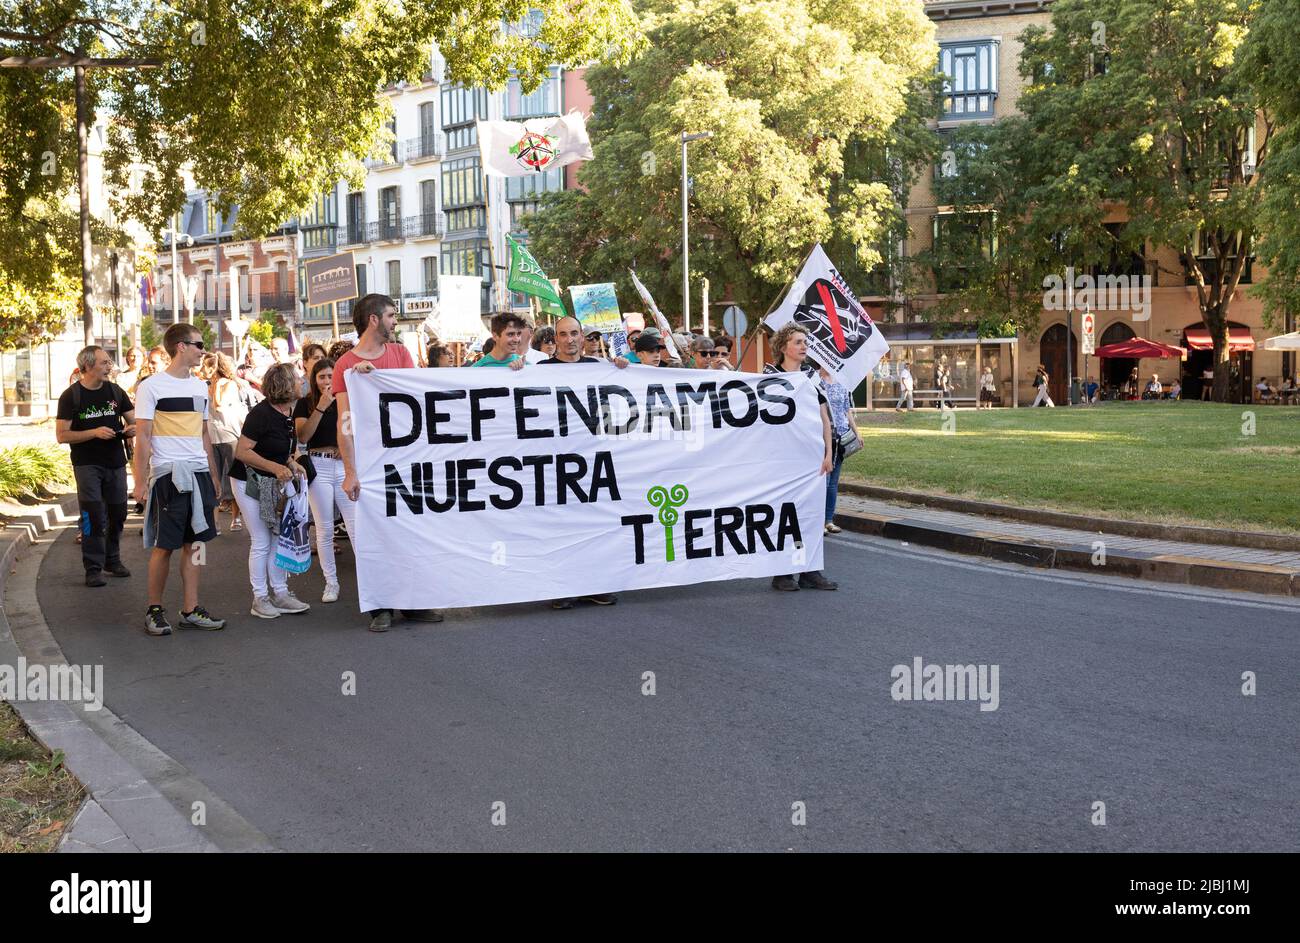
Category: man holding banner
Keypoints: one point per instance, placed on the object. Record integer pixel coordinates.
(377, 348)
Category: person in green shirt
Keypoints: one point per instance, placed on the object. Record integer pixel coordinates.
(507, 336)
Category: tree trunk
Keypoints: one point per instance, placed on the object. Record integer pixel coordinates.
(1218, 325)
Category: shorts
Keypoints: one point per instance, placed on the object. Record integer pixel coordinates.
(171, 513)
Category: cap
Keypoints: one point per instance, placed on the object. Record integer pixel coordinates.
(647, 341)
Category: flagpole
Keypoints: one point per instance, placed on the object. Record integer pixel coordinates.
(759, 327)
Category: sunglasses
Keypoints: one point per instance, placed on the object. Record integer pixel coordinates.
(198, 344)
(708, 353)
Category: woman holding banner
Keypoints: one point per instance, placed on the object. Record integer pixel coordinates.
(790, 346)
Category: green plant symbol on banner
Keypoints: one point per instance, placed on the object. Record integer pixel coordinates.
(668, 500)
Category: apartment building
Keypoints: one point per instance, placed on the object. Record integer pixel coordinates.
(423, 211)
(979, 53)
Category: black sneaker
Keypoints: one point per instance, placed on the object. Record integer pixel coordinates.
(381, 621)
(116, 569)
(200, 618)
(155, 623)
(602, 599)
(95, 578)
(561, 603)
(785, 583)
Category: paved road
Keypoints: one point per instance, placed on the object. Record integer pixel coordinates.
(1109, 691)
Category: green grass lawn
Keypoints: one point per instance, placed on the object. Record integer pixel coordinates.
(1186, 462)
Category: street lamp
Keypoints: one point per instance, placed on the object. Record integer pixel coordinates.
(686, 261)
(189, 241)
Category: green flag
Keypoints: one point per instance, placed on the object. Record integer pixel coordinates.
(527, 276)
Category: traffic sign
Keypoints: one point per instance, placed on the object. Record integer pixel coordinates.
(1089, 333)
(734, 321)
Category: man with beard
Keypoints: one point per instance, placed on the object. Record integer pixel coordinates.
(375, 318)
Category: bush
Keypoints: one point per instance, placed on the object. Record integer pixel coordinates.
(27, 469)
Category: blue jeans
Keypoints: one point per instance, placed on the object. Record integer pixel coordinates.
(832, 488)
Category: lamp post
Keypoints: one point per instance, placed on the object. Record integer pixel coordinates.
(686, 263)
(176, 297)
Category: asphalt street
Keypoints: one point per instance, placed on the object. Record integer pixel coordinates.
(1110, 691)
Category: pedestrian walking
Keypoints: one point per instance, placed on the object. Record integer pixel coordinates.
(1041, 379)
(316, 420)
(95, 418)
(174, 469)
(264, 460)
(790, 346)
(905, 386)
(375, 320)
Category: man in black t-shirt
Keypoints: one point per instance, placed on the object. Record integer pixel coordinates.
(95, 418)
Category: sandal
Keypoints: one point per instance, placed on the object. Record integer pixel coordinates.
(833, 528)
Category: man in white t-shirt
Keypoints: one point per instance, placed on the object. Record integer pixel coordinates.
(173, 454)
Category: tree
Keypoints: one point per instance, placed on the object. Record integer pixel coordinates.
(266, 102)
(1272, 56)
(1136, 104)
(817, 111)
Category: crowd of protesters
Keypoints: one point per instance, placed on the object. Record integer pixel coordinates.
(206, 435)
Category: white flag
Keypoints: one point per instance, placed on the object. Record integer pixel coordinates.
(523, 148)
(841, 335)
(665, 332)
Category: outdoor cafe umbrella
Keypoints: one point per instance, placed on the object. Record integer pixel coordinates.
(1139, 348)
(1283, 342)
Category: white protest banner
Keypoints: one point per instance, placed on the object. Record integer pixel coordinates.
(481, 487)
(841, 335)
(460, 303)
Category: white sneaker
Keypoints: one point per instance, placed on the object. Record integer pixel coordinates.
(331, 593)
(288, 602)
(264, 609)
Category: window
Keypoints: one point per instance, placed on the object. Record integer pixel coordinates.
(464, 257)
(211, 220)
(462, 183)
(523, 188)
(460, 107)
(318, 223)
(356, 217)
(429, 267)
(964, 239)
(362, 290)
(970, 84)
(468, 218)
(955, 154)
(544, 100)
(395, 278)
(1208, 262)
(390, 214)
(428, 199)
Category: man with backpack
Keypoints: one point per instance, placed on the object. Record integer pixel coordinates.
(95, 418)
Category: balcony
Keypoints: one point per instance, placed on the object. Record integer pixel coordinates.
(277, 301)
(390, 159)
(424, 226)
(385, 230)
(353, 234)
(428, 146)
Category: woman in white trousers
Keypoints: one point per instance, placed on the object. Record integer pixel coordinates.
(316, 418)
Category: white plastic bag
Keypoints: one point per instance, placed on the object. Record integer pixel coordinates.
(293, 545)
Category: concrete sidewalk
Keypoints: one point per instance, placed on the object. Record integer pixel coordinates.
(1248, 569)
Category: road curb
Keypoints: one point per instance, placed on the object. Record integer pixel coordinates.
(1180, 533)
(986, 542)
(138, 798)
